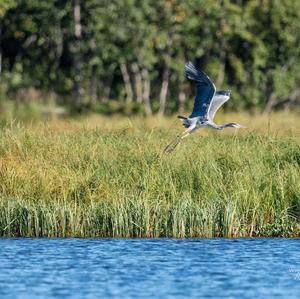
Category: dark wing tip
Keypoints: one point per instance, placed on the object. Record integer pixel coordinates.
(189, 63)
(196, 74)
(189, 66)
(192, 73)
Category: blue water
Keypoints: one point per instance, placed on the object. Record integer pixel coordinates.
(145, 268)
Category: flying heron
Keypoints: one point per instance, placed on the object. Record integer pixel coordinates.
(206, 104)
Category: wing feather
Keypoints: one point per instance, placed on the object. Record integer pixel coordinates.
(205, 90)
(217, 101)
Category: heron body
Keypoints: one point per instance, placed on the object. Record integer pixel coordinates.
(207, 102)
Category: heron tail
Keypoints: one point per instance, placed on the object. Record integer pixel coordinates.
(184, 120)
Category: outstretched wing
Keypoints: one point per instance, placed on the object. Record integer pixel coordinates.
(205, 90)
(218, 100)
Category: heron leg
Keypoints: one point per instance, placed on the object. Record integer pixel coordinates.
(187, 132)
(170, 147)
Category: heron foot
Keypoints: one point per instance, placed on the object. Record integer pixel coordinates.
(172, 145)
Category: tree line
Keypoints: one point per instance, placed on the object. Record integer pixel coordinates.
(90, 53)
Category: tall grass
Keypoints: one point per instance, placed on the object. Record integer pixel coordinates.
(109, 178)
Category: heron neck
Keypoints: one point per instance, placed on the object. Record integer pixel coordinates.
(213, 125)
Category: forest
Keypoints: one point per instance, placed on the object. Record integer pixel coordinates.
(128, 56)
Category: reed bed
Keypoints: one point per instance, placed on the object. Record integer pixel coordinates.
(109, 178)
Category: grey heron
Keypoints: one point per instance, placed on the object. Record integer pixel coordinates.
(206, 104)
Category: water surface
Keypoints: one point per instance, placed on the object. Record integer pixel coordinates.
(149, 268)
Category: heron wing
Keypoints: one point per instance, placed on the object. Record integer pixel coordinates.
(205, 90)
(217, 101)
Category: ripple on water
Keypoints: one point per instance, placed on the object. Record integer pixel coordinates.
(149, 268)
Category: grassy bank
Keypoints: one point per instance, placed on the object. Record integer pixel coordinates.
(109, 178)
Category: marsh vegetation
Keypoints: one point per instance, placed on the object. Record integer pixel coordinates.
(109, 178)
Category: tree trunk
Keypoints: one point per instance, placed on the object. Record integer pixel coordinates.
(126, 79)
(93, 85)
(181, 99)
(222, 51)
(271, 103)
(146, 92)
(164, 91)
(77, 54)
(221, 74)
(138, 83)
(59, 46)
(106, 85)
(292, 99)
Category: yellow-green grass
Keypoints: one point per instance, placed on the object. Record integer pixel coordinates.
(105, 177)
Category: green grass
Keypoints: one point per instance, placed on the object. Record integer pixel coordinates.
(110, 178)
